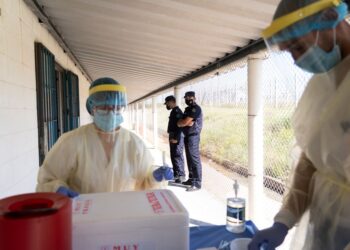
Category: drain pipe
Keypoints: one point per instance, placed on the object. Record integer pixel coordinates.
(255, 137)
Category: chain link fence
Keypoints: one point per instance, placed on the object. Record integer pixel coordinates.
(224, 101)
(284, 84)
(145, 124)
(223, 96)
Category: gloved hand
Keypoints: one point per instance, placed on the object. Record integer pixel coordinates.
(67, 192)
(269, 238)
(163, 172)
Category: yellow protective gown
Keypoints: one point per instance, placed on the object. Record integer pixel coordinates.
(320, 184)
(78, 161)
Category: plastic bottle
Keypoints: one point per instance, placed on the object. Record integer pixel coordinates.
(235, 216)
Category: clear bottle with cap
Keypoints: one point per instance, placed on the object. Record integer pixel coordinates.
(235, 215)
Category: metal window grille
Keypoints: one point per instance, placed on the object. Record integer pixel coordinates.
(71, 105)
(46, 100)
(57, 100)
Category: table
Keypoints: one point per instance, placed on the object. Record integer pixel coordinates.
(211, 236)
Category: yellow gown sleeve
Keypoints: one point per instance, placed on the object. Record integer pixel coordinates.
(299, 193)
(58, 165)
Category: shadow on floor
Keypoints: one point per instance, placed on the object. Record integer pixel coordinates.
(173, 184)
(199, 223)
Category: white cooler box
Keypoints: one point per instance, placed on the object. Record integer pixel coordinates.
(147, 220)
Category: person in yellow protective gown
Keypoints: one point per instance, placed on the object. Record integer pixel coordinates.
(317, 36)
(101, 156)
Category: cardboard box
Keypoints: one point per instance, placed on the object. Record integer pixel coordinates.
(148, 220)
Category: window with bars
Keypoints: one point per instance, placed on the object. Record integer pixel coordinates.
(71, 101)
(57, 99)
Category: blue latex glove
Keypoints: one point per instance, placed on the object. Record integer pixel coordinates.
(163, 172)
(67, 192)
(269, 238)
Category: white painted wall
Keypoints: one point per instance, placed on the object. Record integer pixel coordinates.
(19, 161)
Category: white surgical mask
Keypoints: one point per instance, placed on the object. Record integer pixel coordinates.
(107, 121)
(316, 60)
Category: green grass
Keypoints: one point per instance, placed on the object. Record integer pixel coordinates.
(278, 140)
(225, 136)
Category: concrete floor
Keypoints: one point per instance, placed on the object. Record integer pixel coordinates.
(208, 205)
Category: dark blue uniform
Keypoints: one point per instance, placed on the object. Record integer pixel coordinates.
(192, 139)
(176, 149)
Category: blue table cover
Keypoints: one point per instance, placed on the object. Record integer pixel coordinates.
(211, 236)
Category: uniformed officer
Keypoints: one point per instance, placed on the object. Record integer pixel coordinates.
(191, 123)
(176, 139)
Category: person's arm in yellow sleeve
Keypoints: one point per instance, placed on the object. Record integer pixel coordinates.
(297, 199)
(58, 165)
(146, 166)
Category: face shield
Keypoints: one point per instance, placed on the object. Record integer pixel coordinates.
(307, 30)
(107, 97)
(106, 103)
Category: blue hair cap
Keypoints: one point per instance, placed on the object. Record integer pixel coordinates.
(314, 22)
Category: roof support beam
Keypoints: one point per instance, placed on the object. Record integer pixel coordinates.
(39, 12)
(252, 47)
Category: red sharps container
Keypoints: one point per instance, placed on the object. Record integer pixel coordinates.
(36, 221)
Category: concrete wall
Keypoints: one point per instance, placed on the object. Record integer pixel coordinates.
(19, 29)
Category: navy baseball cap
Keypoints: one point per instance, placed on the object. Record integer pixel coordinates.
(190, 94)
(170, 98)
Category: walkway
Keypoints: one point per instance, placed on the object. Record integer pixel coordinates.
(208, 206)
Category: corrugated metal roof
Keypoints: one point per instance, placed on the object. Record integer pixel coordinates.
(146, 44)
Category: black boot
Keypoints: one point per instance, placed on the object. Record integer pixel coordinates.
(194, 187)
(188, 182)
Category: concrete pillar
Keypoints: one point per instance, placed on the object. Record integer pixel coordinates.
(131, 114)
(127, 117)
(155, 121)
(177, 91)
(137, 129)
(132, 118)
(144, 122)
(255, 137)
